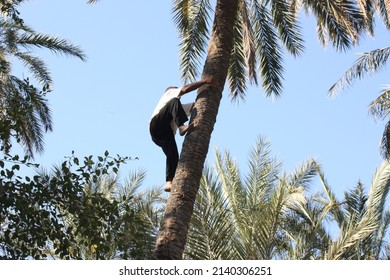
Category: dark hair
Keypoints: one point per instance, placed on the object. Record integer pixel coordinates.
(168, 88)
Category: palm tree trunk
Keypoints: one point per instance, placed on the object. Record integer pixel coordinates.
(173, 233)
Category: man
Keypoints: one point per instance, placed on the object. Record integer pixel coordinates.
(169, 115)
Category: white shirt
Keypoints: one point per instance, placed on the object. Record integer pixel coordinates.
(168, 95)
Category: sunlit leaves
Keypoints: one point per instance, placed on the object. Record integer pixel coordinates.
(192, 20)
(367, 64)
(75, 211)
(25, 114)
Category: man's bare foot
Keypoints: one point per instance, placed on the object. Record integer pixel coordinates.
(168, 186)
(184, 129)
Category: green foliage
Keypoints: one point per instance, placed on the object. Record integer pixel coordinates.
(262, 30)
(269, 214)
(239, 217)
(69, 214)
(24, 113)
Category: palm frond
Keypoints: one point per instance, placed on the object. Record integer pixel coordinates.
(337, 21)
(248, 41)
(306, 228)
(333, 205)
(381, 235)
(211, 231)
(380, 107)
(127, 192)
(344, 247)
(269, 52)
(237, 67)
(264, 169)
(5, 66)
(52, 43)
(29, 113)
(384, 146)
(303, 175)
(37, 67)
(383, 8)
(361, 233)
(380, 187)
(289, 30)
(355, 203)
(367, 64)
(150, 205)
(229, 176)
(249, 204)
(192, 20)
(367, 10)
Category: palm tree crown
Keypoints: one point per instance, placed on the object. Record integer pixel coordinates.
(259, 28)
(270, 214)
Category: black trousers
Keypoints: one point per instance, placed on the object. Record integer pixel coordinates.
(164, 137)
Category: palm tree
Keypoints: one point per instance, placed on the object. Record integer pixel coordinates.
(269, 214)
(24, 111)
(368, 64)
(249, 217)
(360, 222)
(364, 222)
(245, 34)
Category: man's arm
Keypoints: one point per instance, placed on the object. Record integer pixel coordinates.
(193, 86)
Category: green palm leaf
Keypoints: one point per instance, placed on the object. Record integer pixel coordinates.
(268, 50)
(211, 228)
(286, 21)
(337, 21)
(25, 112)
(367, 8)
(349, 238)
(379, 190)
(192, 18)
(237, 74)
(37, 67)
(52, 43)
(383, 7)
(385, 142)
(367, 64)
(380, 107)
(249, 47)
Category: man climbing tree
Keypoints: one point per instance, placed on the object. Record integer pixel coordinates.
(169, 115)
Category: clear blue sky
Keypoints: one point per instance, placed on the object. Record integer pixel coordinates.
(132, 49)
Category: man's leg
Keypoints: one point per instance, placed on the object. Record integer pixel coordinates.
(162, 134)
(170, 150)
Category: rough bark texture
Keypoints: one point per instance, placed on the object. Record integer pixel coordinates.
(173, 233)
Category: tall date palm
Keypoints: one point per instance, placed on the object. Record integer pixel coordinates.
(244, 43)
